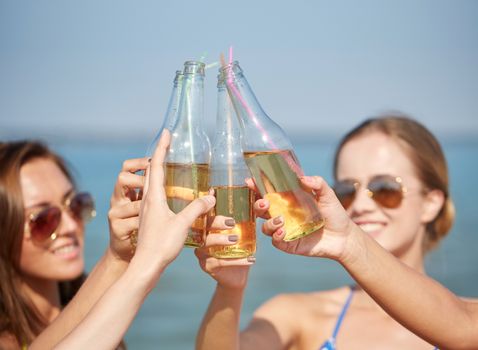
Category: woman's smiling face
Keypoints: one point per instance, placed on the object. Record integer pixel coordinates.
(367, 156)
(44, 184)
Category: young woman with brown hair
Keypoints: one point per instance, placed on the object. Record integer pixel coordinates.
(42, 218)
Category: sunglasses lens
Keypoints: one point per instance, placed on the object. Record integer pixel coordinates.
(82, 206)
(45, 223)
(386, 192)
(345, 191)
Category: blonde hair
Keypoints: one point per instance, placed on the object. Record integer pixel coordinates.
(425, 153)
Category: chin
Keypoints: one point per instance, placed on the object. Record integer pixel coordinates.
(71, 272)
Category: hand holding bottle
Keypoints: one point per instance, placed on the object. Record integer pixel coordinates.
(330, 241)
(228, 273)
(162, 232)
(124, 208)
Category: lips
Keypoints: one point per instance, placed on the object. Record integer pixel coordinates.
(67, 250)
(371, 227)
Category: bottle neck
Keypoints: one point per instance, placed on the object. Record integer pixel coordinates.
(226, 120)
(170, 118)
(260, 132)
(191, 106)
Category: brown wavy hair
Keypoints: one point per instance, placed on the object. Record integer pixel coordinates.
(18, 316)
(425, 153)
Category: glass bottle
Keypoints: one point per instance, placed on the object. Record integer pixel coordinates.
(171, 112)
(271, 160)
(228, 172)
(187, 161)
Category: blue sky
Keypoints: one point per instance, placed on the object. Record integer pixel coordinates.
(104, 69)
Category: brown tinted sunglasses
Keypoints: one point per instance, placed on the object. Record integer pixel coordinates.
(387, 191)
(42, 225)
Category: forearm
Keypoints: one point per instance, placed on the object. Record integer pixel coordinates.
(103, 275)
(220, 326)
(415, 300)
(109, 319)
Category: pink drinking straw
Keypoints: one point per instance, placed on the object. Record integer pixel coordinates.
(290, 160)
(248, 109)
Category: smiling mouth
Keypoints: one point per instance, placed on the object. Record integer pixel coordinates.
(371, 227)
(68, 251)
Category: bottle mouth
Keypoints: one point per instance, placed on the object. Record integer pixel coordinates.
(194, 67)
(179, 76)
(229, 66)
(231, 69)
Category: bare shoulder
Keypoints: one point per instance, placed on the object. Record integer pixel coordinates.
(8, 342)
(295, 318)
(283, 306)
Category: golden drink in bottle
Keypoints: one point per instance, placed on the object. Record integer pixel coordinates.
(184, 183)
(275, 174)
(235, 202)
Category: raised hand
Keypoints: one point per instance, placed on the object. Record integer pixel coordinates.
(161, 232)
(330, 241)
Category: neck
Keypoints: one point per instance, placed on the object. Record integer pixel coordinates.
(412, 256)
(45, 296)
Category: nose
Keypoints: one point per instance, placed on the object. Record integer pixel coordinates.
(68, 223)
(363, 202)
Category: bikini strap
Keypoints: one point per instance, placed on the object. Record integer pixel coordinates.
(342, 314)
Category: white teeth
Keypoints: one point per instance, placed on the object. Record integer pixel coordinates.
(65, 249)
(371, 227)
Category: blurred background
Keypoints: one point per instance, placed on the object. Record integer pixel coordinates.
(93, 79)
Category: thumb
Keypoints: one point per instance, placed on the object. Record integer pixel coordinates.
(324, 193)
(196, 208)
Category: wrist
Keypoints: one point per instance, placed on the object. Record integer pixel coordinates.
(354, 248)
(114, 261)
(147, 271)
(222, 288)
(229, 293)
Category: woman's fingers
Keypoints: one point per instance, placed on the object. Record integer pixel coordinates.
(220, 222)
(194, 209)
(272, 225)
(156, 177)
(211, 264)
(220, 239)
(127, 180)
(261, 208)
(122, 228)
(324, 193)
(123, 211)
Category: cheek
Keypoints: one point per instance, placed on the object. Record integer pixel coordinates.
(34, 260)
(38, 263)
(405, 222)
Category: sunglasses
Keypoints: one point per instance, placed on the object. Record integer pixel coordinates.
(387, 191)
(42, 225)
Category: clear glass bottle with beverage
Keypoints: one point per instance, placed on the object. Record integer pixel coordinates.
(228, 172)
(171, 115)
(271, 160)
(187, 161)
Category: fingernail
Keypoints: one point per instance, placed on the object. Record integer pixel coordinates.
(233, 238)
(280, 231)
(230, 222)
(262, 204)
(251, 258)
(277, 220)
